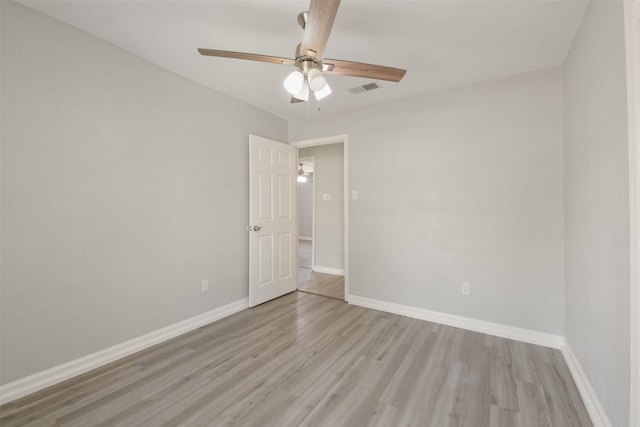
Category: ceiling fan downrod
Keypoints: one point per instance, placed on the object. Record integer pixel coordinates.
(302, 19)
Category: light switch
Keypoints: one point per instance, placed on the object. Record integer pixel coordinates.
(327, 197)
(354, 195)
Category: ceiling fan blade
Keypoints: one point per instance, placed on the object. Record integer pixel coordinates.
(248, 56)
(360, 69)
(320, 19)
(295, 100)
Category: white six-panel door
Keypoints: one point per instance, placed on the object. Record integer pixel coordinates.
(272, 219)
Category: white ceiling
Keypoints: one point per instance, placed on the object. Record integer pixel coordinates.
(442, 44)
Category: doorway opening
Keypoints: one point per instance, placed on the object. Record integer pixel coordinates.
(322, 217)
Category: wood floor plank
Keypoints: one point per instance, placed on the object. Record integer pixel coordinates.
(329, 285)
(501, 417)
(503, 382)
(560, 398)
(533, 405)
(355, 398)
(307, 360)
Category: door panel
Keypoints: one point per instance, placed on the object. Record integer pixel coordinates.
(272, 216)
(265, 196)
(284, 197)
(265, 251)
(285, 245)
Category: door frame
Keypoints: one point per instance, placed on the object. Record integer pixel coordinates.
(310, 159)
(337, 139)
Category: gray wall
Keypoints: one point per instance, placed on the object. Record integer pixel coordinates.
(123, 186)
(597, 206)
(463, 185)
(329, 179)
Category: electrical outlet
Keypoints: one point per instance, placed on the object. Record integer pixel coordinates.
(326, 197)
(205, 285)
(466, 289)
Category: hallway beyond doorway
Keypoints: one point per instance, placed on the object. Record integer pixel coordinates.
(312, 282)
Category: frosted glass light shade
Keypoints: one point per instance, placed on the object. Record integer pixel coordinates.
(302, 178)
(303, 93)
(294, 82)
(316, 80)
(324, 92)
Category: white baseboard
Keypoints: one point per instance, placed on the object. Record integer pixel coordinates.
(49, 377)
(496, 329)
(328, 270)
(589, 397)
(304, 238)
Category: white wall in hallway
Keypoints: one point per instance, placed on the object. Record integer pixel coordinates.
(305, 208)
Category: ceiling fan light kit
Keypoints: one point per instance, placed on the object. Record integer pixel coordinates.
(299, 85)
(301, 174)
(302, 94)
(294, 82)
(316, 80)
(311, 67)
(322, 93)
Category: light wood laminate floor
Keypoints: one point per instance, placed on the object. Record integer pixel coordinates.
(328, 285)
(306, 360)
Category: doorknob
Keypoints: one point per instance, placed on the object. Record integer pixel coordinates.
(256, 228)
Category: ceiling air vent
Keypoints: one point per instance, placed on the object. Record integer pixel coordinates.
(364, 88)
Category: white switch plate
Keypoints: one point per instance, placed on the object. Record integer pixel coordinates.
(327, 197)
(466, 289)
(354, 195)
(205, 285)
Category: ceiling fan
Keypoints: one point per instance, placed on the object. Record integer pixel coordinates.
(302, 174)
(310, 64)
